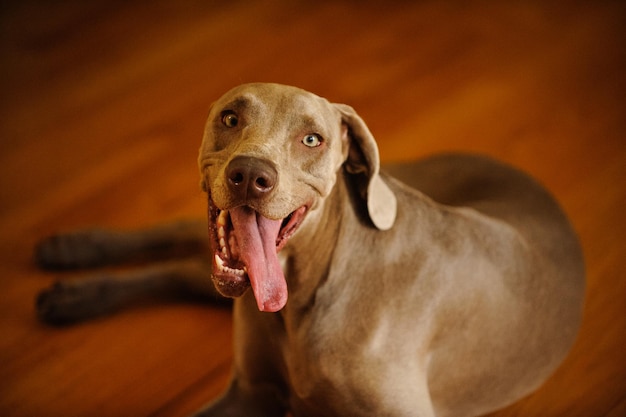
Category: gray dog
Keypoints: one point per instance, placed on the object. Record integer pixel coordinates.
(453, 288)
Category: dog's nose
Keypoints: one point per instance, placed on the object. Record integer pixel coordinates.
(249, 177)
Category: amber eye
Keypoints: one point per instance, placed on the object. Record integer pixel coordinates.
(230, 119)
(312, 140)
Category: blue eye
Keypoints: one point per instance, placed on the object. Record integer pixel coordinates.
(312, 140)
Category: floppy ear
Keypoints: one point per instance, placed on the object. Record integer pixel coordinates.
(363, 160)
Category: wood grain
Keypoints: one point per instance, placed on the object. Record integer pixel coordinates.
(102, 110)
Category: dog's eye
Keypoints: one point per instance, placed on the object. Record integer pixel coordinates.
(230, 119)
(312, 140)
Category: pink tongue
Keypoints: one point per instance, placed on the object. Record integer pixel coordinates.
(256, 237)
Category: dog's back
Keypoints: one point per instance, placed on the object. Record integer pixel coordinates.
(548, 293)
(502, 192)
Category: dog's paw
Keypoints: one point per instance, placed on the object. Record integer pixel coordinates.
(70, 302)
(68, 251)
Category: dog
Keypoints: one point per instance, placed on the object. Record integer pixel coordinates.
(451, 286)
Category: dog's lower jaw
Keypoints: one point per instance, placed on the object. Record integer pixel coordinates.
(229, 285)
(244, 245)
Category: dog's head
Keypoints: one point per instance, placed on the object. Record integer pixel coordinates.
(269, 156)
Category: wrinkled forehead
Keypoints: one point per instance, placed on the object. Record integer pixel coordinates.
(277, 100)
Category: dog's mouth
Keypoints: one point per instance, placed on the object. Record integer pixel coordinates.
(245, 247)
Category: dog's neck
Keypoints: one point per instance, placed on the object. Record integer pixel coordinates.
(309, 254)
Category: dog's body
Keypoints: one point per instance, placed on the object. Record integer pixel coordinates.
(453, 300)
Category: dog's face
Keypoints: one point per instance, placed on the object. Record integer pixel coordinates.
(290, 131)
(270, 155)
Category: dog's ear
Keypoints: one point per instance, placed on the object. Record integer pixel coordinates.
(363, 160)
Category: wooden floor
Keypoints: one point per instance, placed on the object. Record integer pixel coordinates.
(102, 110)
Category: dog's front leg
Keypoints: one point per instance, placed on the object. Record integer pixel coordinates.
(72, 300)
(241, 401)
(96, 247)
(257, 387)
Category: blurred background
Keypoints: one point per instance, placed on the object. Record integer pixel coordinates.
(102, 107)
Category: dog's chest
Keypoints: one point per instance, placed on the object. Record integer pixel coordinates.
(345, 370)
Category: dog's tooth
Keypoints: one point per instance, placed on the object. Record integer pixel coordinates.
(222, 218)
(238, 272)
(219, 262)
(221, 232)
(225, 252)
(222, 242)
(223, 268)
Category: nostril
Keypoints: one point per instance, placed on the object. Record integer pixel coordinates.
(236, 178)
(262, 183)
